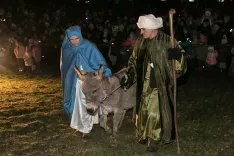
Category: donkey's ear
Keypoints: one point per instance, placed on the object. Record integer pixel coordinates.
(100, 72)
(80, 73)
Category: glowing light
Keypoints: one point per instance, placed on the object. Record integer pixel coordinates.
(3, 19)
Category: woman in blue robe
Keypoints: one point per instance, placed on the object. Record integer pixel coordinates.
(85, 55)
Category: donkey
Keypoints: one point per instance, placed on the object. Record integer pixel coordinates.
(105, 92)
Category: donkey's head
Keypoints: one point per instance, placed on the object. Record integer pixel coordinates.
(92, 87)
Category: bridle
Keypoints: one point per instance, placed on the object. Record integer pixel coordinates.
(109, 94)
(115, 89)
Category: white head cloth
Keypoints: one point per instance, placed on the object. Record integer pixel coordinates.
(149, 22)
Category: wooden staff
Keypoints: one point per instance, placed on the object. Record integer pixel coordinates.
(171, 13)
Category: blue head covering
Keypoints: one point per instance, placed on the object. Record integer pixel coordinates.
(85, 56)
(72, 31)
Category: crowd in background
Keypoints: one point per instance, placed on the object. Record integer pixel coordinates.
(39, 34)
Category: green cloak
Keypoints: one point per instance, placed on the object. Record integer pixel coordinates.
(153, 104)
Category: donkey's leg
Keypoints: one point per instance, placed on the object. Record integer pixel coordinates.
(103, 124)
(116, 120)
(122, 118)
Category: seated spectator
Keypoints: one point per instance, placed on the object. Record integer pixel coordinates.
(211, 57)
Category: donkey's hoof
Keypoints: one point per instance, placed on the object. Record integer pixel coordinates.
(85, 136)
(113, 135)
(109, 131)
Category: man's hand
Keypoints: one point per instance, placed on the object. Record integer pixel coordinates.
(174, 53)
(126, 81)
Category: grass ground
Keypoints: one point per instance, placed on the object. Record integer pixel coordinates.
(32, 121)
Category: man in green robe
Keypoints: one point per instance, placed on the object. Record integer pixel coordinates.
(150, 66)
